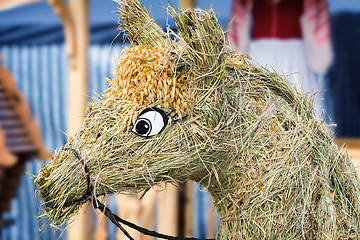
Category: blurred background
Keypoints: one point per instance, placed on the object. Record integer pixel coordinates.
(55, 56)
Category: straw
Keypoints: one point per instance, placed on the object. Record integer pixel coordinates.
(250, 137)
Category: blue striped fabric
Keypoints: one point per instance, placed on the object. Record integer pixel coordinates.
(41, 75)
(101, 65)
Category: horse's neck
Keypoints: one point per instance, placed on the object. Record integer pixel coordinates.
(228, 208)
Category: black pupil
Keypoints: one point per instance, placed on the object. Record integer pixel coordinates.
(142, 127)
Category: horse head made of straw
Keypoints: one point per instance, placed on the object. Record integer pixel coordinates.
(187, 107)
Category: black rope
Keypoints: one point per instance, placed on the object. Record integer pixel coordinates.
(68, 203)
(113, 217)
(98, 205)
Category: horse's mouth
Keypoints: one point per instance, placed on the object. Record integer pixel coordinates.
(84, 197)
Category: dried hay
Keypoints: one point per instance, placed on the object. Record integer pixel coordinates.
(250, 138)
(144, 76)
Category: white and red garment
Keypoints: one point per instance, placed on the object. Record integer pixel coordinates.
(289, 36)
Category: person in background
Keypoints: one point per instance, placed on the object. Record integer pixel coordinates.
(289, 36)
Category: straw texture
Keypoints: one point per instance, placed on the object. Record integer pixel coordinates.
(249, 137)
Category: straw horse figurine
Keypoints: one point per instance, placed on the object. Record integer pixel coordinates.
(187, 107)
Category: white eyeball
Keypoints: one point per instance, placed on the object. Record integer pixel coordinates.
(150, 122)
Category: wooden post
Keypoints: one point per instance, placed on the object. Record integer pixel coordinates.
(78, 72)
(78, 98)
(147, 211)
(189, 206)
(185, 4)
(211, 219)
(75, 21)
(101, 232)
(138, 211)
(129, 208)
(168, 210)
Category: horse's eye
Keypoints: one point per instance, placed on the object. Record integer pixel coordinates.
(150, 122)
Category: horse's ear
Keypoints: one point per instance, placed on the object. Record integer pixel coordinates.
(139, 26)
(204, 41)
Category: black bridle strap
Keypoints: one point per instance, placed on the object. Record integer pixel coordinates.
(113, 217)
(98, 205)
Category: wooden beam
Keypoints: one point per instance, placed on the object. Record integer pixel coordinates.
(348, 142)
(352, 147)
(62, 9)
(185, 4)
